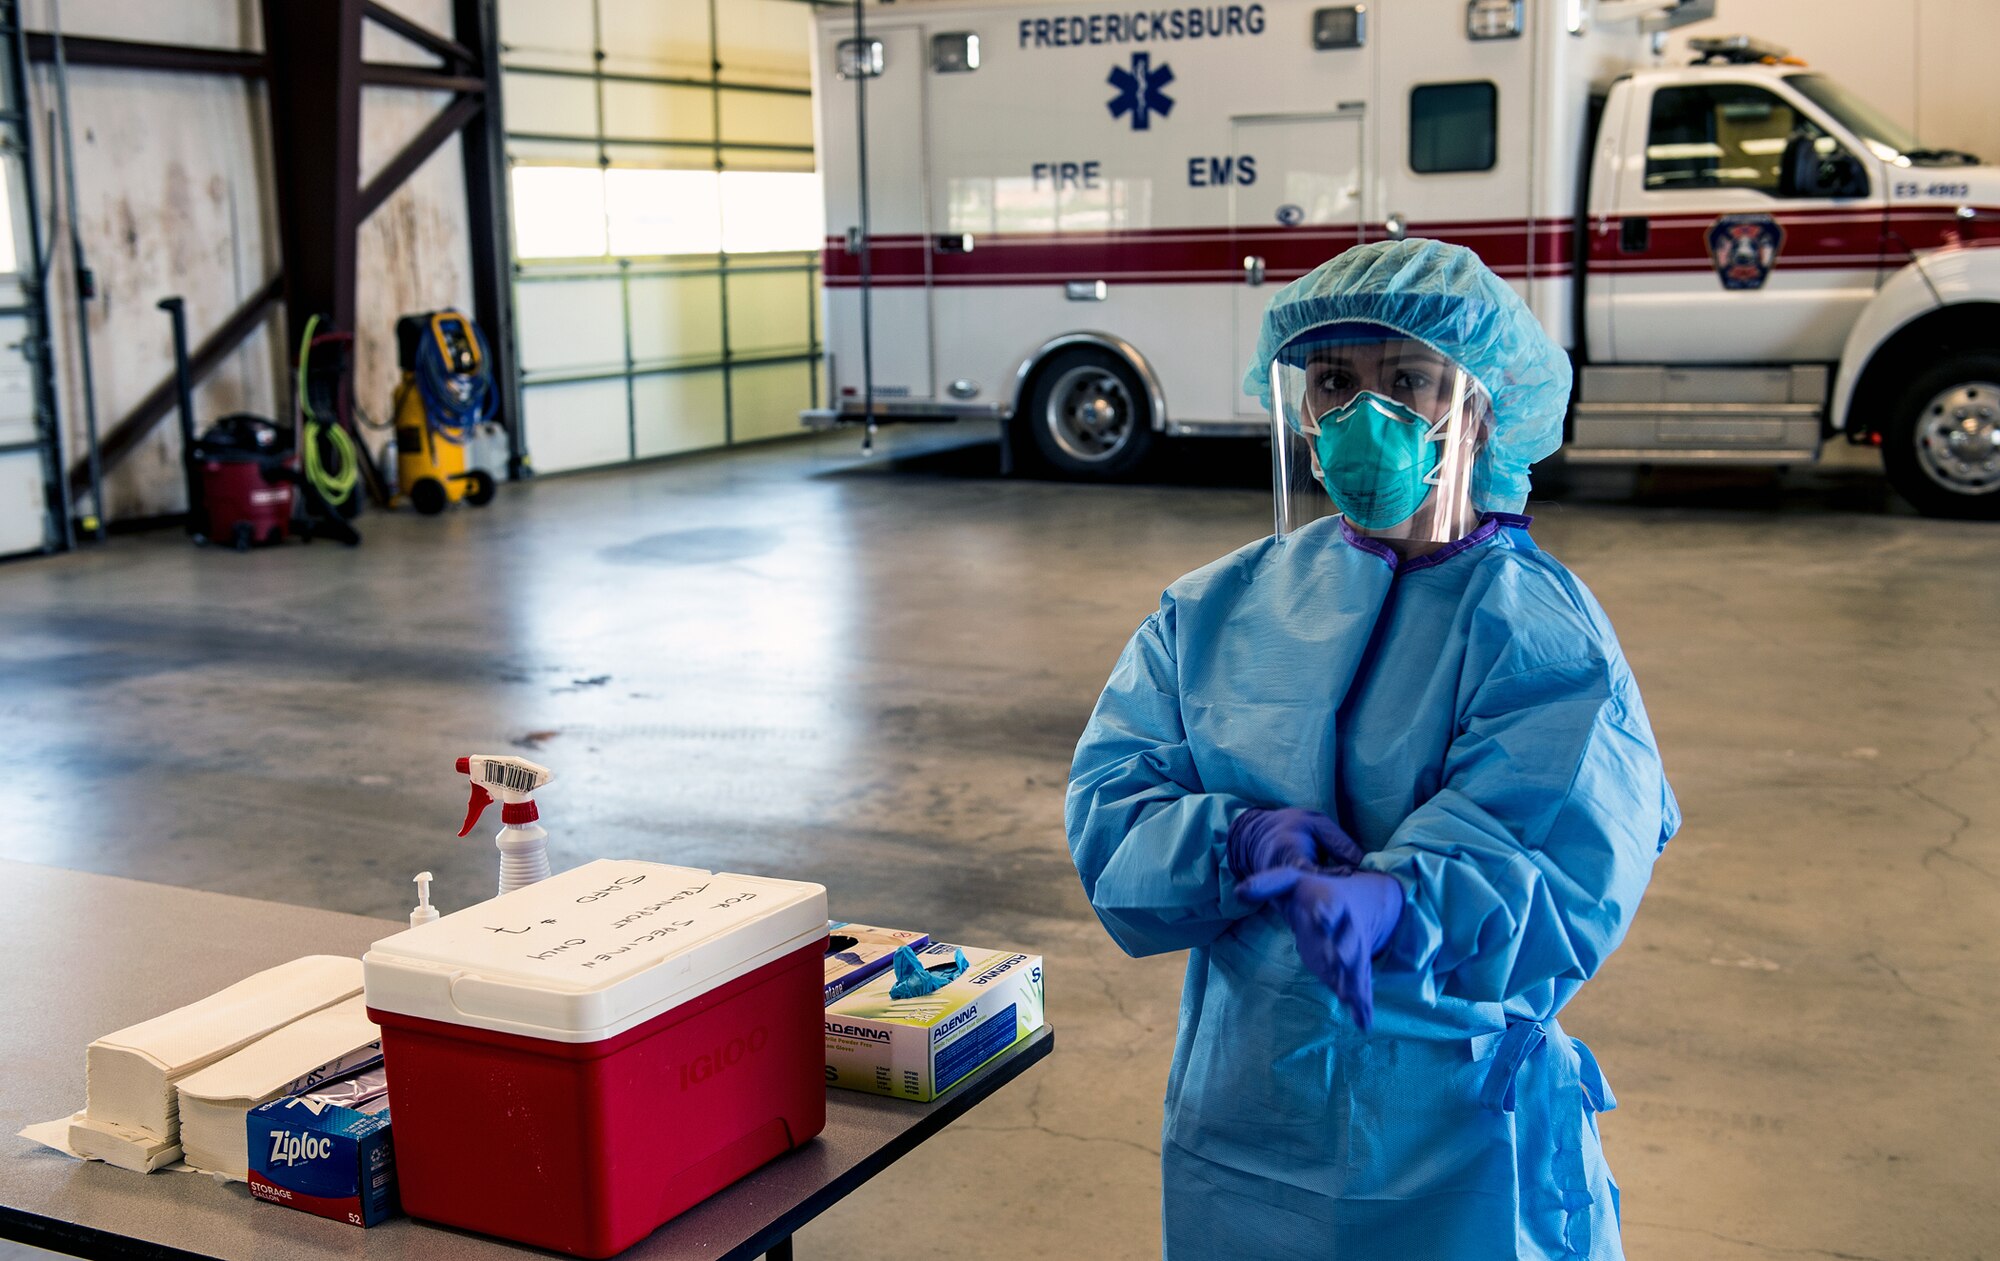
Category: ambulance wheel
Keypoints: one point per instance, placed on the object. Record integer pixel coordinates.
(1090, 415)
(428, 496)
(479, 488)
(1942, 446)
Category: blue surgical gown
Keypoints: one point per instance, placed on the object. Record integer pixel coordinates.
(1470, 720)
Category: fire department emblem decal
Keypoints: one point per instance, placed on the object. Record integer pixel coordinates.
(1744, 248)
(1141, 91)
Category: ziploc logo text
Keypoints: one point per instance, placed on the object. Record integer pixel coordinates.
(288, 1148)
(945, 1030)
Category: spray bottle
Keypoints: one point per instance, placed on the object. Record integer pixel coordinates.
(524, 850)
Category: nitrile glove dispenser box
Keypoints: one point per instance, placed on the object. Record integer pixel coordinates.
(574, 1063)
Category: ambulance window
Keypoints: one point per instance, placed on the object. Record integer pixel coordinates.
(1453, 127)
(1725, 135)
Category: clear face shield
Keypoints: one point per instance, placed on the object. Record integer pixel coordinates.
(1378, 427)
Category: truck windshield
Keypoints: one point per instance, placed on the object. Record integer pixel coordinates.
(1889, 139)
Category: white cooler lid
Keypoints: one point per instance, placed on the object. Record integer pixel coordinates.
(594, 951)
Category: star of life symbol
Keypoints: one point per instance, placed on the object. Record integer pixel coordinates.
(1140, 91)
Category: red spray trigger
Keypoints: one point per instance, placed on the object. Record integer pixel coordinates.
(476, 804)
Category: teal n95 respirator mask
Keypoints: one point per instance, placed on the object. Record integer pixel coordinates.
(1376, 426)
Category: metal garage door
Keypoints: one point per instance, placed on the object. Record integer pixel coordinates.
(666, 223)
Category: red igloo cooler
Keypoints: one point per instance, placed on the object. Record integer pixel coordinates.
(574, 1063)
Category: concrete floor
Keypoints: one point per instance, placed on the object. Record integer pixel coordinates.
(871, 674)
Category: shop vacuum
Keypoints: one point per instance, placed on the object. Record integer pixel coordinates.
(245, 481)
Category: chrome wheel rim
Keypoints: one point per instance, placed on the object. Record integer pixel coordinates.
(1089, 414)
(1958, 438)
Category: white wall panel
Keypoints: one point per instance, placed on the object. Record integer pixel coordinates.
(766, 401)
(209, 23)
(581, 425)
(550, 105)
(656, 112)
(768, 312)
(766, 118)
(676, 412)
(174, 185)
(569, 325)
(654, 38)
(676, 318)
(412, 253)
(23, 520)
(546, 32)
(765, 41)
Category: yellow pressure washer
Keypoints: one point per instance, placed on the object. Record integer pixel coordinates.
(445, 395)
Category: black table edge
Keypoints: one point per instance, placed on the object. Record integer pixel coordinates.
(55, 1235)
(74, 1239)
(954, 1104)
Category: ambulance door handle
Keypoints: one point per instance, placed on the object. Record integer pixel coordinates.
(854, 240)
(1253, 269)
(1397, 226)
(953, 243)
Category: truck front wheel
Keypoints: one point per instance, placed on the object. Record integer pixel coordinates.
(1090, 414)
(1942, 445)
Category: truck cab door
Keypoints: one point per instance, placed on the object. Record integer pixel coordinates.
(892, 63)
(1741, 227)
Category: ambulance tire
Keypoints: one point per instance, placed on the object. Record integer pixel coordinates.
(1090, 415)
(1961, 390)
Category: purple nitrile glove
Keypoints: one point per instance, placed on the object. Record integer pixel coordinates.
(1261, 840)
(1339, 923)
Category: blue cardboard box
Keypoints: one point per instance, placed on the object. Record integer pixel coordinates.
(327, 1153)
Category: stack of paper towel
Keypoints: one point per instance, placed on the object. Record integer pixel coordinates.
(327, 1044)
(132, 1117)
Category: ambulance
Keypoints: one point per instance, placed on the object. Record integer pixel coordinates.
(1073, 215)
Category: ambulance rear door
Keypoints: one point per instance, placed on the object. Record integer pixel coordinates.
(1303, 208)
(891, 62)
(1453, 127)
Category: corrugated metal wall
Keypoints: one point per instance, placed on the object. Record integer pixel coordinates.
(175, 193)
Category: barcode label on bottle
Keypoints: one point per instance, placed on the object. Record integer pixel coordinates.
(514, 778)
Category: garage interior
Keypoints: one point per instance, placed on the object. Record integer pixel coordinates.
(751, 648)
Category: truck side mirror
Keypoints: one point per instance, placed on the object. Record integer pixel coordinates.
(1804, 171)
(1842, 176)
(1798, 169)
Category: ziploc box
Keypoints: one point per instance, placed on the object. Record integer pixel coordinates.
(918, 1048)
(331, 1159)
(576, 1062)
(856, 953)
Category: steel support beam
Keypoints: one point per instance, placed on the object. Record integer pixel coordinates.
(422, 36)
(315, 55)
(132, 55)
(484, 150)
(125, 436)
(382, 74)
